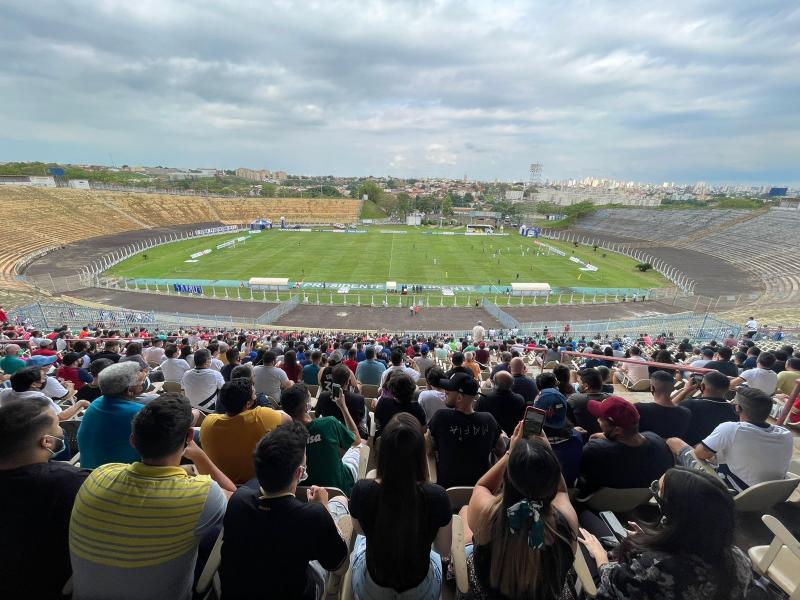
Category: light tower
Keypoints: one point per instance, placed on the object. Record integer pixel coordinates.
(534, 179)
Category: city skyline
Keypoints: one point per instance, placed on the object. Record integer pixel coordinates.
(697, 91)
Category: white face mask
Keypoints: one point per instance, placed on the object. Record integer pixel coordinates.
(61, 446)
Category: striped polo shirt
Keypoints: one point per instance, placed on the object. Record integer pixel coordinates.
(135, 528)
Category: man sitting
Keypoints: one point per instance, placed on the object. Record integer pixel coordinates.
(312, 369)
(629, 374)
(328, 407)
(106, 426)
(462, 439)
(709, 410)
(36, 501)
(747, 452)
(11, 363)
(229, 439)
(502, 403)
(591, 388)
(458, 365)
(369, 370)
(276, 545)
(432, 399)
(621, 457)
(327, 439)
(762, 377)
(29, 383)
(202, 384)
(172, 366)
(126, 558)
(662, 416)
(722, 362)
(397, 360)
(523, 385)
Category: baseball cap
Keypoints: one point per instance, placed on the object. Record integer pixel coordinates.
(554, 404)
(41, 361)
(335, 358)
(424, 349)
(482, 345)
(45, 343)
(615, 410)
(460, 382)
(70, 357)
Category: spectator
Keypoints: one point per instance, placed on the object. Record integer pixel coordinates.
(270, 380)
(369, 370)
(202, 383)
(132, 561)
(229, 439)
(632, 372)
(91, 391)
(690, 553)
(709, 410)
(520, 528)
(311, 370)
(45, 349)
(506, 406)
(36, 502)
(328, 407)
(154, 354)
(433, 398)
(442, 352)
(478, 332)
(106, 425)
(762, 378)
(706, 356)
(523, 385)
(289, 566)
(565, 441)
(564, 376)
(424, 361)
(234, 359)
(462, 439)
(398, 359)
(29, 383)
(401, 516)
(327, 439)
(504, 364)
(662, 356)
(133, 353)
(71, 371)
(752, 327)
(606, 375)
(621, 457)
(662, 416)
(401, 399)
(458, 366)
(722, 362)
(472, 365)
(591, 388)
(350, 362)
(747, 452)
(173, 367)
(291, 367)
(216, 364)
(481, 354)
(787, 379)
(11, 363)
(752, 357)
(326, 372)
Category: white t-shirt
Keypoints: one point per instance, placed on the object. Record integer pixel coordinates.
(752, 325)
(761, 379)
(9, 394)
(200, 384)
(431, 401)
(749, 453)
(217, 364)
(174, 368)
(635, 372)
(407, 370)
(478, 333)
(54, 389)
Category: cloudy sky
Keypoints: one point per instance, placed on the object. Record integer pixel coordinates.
(686, 90)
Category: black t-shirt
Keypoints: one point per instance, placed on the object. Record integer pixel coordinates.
(607, 463)
(269, 543)
(226, 371)
(706, 414)
(389, 407)
(463, 445)
(578, 414)
(505, 406)
(725, 367)
(525, 387)
(327, 379)
(35, 504)
(112, 356)
(458, 369)
(435, 513)
(89, 393)
(326, 407)
(663, 420)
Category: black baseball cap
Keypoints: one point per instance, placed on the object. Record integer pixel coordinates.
(462, 383)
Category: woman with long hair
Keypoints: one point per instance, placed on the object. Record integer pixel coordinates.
(521, 526)
(399, 398)
(662, 356)
(400, 516)
(689, 555)
(290, 366)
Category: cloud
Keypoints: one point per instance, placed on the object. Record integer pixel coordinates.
(697, 89)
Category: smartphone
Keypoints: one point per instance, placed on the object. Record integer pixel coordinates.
(614, 525)
(533, 421)
(336, 389)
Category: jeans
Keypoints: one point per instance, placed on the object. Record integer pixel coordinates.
(364, 588)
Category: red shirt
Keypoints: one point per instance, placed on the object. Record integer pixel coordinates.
(351, 364)
(44, 352)
(292, 373)
(71, 374)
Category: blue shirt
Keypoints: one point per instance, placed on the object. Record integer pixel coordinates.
(105, 431)
(360, 356)
(311, 374)
(370, 372)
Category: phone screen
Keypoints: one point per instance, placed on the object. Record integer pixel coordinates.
(336, 389)
(534, 419)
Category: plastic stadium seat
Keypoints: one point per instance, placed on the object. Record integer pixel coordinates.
(172, 387)
(313, 390)
(643, 385)
(363, 461)
(763, 496)
(616, 500)
(370, 391)
(780, 561)
(459, 496)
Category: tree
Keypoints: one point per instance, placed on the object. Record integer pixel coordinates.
(371, 190)
(268, 190)
(447, 205)
(404, 204)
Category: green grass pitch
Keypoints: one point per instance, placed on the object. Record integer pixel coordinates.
(411, 257)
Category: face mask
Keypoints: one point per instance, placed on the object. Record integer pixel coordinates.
(60, 447)
(304, 476)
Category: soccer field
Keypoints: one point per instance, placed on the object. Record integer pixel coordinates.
(407, 256)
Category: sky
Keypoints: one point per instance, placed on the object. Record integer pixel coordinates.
(684, 91)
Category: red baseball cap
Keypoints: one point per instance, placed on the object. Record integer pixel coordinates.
(615, 410)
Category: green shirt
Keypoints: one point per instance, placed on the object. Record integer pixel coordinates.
(11, 364)
(326, 436)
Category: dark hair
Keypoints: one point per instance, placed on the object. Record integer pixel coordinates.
(235, 394)
(160, 428)
(724, 352)
(562, 373)
(401, 386)
(213, 347)
(635, 350)
(663, 356)
(546, 380)
(22, 422)
(793, 363)
(290, 358)
(278, 455)
(98, 365)
(340, 374)
(402, 512)
(662, 379)
(294, 400)
(170, 350)
(457, 359)
(244, 370)
(232, 354)
(369, 352)
(201, 357)
(22, 380)
(433, 375)
(397, 357)
(533, 473)
(740, 356)
(716, 381)
(133, 348)
(267, 357)
(699, 520)
(766, 359)
(592, 379)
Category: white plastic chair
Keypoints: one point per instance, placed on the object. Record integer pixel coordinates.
(780, 561)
